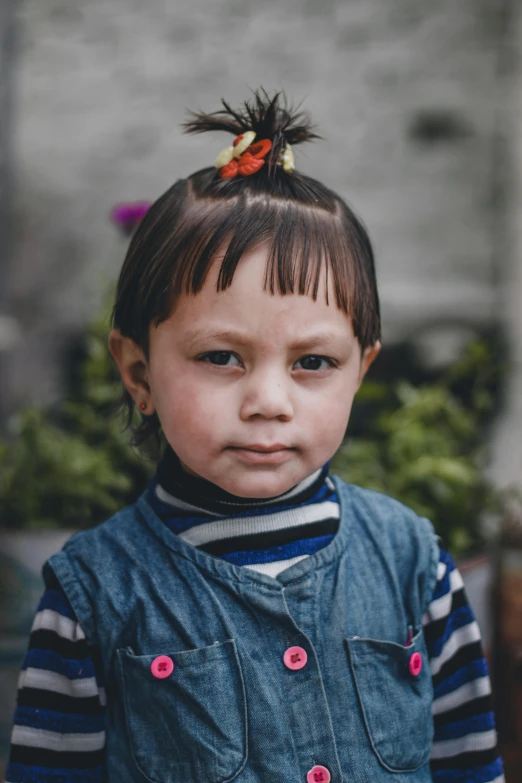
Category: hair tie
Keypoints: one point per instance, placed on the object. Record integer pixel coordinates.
(245, 157)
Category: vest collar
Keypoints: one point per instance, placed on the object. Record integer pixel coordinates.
(220, 568)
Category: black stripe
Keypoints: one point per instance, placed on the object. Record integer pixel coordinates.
(50, 578)
(41, 757)
(50, 700)
(464, 656)
(470, 709)
(204, 494)
(97, 662)
(44, 639)
(271, 538)
(477, 758)
(435, 628)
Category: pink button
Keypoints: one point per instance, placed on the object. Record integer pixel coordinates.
(318, 774)
(295, 658)
(415, 664)
(162, 666)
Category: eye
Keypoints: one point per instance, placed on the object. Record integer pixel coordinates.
(221, 358)
(316, 359)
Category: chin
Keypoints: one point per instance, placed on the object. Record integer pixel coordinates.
(260, 486)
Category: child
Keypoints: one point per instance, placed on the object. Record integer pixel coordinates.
(252, 618)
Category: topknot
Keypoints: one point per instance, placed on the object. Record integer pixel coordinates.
(269, 117)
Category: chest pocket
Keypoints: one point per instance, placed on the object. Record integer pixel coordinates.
(189, 725)
(395, 699)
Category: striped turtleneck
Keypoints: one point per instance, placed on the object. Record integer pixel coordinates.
(59, 722)
(267, 535)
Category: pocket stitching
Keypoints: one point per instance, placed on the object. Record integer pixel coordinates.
(127, 721)
(244, 722)
(365, 719)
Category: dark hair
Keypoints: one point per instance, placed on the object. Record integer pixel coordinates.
(305, 224)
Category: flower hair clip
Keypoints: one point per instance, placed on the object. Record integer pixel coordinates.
(245, 157)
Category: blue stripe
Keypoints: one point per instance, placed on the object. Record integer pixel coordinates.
(443, 586)
(23, 773)
(458, 618)
(471, 671)
(483, 774)
(72, 668)
(180, 524)
(65, 723)
(56, 600)
(472, 725)
(184, 520)
(306, 546)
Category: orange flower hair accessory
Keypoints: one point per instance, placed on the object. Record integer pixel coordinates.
(243, 157)
(265, 129)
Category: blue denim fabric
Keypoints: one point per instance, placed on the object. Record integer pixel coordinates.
(231, 709)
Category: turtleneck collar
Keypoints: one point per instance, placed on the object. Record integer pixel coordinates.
(198, 491)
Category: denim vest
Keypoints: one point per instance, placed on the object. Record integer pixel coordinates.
(240, 705)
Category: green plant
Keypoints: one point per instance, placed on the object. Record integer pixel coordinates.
(426, 447)
(72, 466)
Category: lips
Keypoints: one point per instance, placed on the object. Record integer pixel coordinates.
(259, 454)
(264, 449)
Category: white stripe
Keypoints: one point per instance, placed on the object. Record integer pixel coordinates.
(275, 568)
(441, 570)
(480, 740)
(49, 620)
(55, 740)
(471, 690)
(460, 638)
(500, 779)
(268, 523)
(46, 680)
(441, 607)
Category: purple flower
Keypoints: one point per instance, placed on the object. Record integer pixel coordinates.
(127, 215)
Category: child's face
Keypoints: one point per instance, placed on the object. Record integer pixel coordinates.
(263, 391)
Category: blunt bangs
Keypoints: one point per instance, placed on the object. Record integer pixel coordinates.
(303, 223)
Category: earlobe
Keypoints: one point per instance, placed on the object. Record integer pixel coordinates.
(133, 367)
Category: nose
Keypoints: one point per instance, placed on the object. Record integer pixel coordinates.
(266, 392)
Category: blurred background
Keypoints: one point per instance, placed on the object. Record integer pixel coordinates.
(421, 112)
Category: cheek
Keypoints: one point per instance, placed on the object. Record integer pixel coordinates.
(329, 420)
(182, 404)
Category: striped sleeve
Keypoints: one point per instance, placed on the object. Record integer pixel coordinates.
(464, 748)
(59, 722)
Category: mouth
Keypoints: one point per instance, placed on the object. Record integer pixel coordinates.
(263, 455)
(262, 448)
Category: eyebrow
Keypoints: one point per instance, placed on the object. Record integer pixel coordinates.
(326, 338)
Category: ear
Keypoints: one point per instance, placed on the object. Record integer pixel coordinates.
(370, 353)
(133, 367)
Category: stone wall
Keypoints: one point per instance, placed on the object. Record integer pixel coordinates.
(405, 93)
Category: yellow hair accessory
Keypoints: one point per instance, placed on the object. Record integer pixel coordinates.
(287, 160)
(228, 159)
(235, 150)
